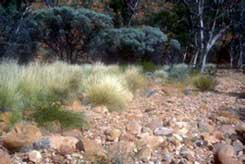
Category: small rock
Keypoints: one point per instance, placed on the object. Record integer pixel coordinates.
(134, 127)
(101, 109)
(113, 135)
(35, 156)
(144, 154)
(63, 144)
(156, 123)
(228, 129)
(225, 154)
(21, 135)
(73, 133)
(93, 149)
(163, 131)
(4, 157)
(151, 141)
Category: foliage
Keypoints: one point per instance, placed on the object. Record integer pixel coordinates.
(204, 82)
(16, 35)
(128, 44)
(148, 66)
(134, 78)
(67, 31)
(37, 87)
(161, 73)
(107, 90)
(210, 69)
(54, 112)
(179, 72)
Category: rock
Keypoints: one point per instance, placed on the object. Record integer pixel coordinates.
(35, 156)
(225, 154)
(63, 144)
(73, 133)
(4, 157)
(156, 123)
(43, 143)
(238, 146)
(228, 129)
(163, 131)
(144, 154)
(122, 151)
(4, 121)
(134, 127)
(93, 149)
(21, 135)
(203, 126)
(150, 141)
(101, 109)
(113, 135)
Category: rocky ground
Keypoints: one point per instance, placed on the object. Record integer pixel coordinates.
(164, 125)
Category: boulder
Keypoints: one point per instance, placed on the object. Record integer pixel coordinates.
(4, 157)
(35, 156)
(93, 150)
(21, 135)
(225, 154)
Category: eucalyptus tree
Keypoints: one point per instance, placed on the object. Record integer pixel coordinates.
(211, 20)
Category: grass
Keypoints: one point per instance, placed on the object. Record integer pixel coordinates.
(107, 90)
(42, 89)
(204, 82)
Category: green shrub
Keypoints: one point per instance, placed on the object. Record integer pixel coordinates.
(71, 29)
(179, 72)
(204, 82)
(161, 74)
(108, 90)
(210, 69)
(44, 115)
(148, 66)
(128, 44)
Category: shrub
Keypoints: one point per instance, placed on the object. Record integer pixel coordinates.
(210, 69)
(107, 90)
(70, 29)
(128, 44)
(179, 72)
(134, 78)
(54, 113)
(161, 74)
(204, 82)
(37, 87)
(148, 66)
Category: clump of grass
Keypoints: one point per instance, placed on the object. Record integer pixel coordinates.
(161, 74)
(204, 82)
(148, 66)
(179, 72)
(107, 90)
(55, 113)
(134, 78)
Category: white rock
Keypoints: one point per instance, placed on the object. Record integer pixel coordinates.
(35, 156)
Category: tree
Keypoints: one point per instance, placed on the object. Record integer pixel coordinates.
(67, 31)
(211, 21)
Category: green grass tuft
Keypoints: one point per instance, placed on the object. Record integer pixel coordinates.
(204, 82)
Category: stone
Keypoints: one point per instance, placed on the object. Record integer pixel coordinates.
(203, 126)
(123, 150)
(155, 123)
(63, 144)
(113, 135)
(144, 154)
(228, 129)
(150, 141)
(4, 157)
(21, 135)
(225, 154)
(134, 127)
(93, 149)
(4, 121)
(73, 133)
(101, 109)
(35, 156)
(163, 131)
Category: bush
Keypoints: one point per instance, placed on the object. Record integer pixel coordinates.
(134, 78)
(54, 113)
(161, 74)
(37, 87)
(70, 29)
(204, 82)
(179, 72)
(128, 44)
(108, 90)
(210, 69)
(148, 66)
(17, 35)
